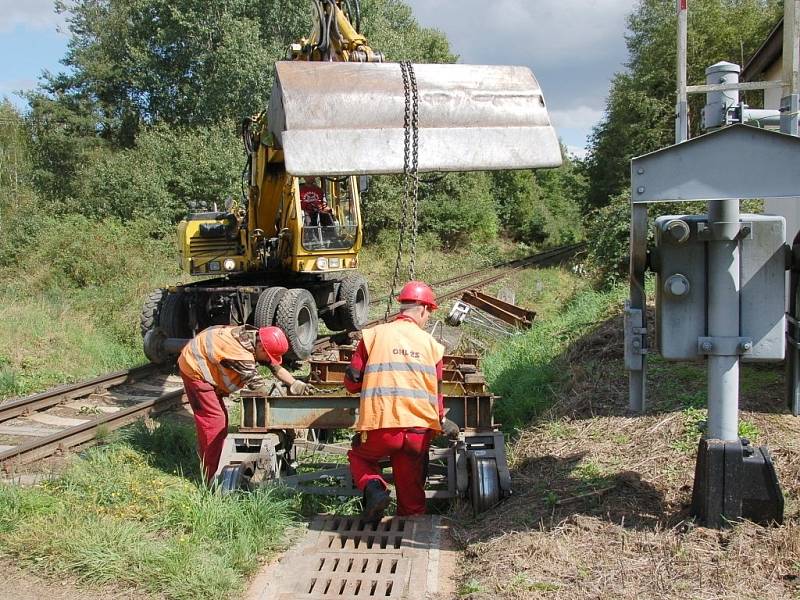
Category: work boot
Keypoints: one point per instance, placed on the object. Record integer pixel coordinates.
(376, 499)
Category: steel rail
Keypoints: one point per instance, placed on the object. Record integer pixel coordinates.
(511, 264)
(21, 406)
(535, 260)
(543, 257)
(85, 432)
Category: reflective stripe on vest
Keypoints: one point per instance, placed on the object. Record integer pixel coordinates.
(399, 366)
(202, 358)
(396, 392)
(400, 387)
(209, 336)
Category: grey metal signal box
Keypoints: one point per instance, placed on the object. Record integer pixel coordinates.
(681, 288)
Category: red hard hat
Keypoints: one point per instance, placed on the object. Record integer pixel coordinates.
(274, 342)
(417, 291)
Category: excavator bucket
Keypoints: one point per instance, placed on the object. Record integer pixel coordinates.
(348, 118)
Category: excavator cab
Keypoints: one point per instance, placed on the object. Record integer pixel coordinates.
(330, 217)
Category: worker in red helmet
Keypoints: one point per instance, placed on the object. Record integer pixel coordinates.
(219, 361)
(397, 369)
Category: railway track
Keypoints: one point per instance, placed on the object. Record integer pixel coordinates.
(499, 270)
(50, 422)
(474, 279)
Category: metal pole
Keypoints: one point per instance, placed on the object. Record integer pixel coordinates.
(790, 102)
(637, 377)
(790, 105)
(723, 278)
(723, 319)
(682, 106)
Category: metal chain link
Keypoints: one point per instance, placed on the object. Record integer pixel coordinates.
(410, 182)
(413, 175)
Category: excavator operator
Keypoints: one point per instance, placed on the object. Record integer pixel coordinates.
(397, 368)
(313, 203)
(220, 360)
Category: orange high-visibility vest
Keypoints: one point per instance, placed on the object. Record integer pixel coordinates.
(399, 388)
(202, 357)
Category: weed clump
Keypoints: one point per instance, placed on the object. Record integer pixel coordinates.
(127, 514)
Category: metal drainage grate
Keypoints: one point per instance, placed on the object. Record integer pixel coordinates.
(358, 577)
(344, 559)
(348, 533)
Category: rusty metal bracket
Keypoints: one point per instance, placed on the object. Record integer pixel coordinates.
(500, 309)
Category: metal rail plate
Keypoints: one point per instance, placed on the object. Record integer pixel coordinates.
(342, 558)
(340, 411)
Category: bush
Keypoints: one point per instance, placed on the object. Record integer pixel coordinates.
(168, 172)
(102, 268)
(456, 208)
(607, 236)
(459, 208)
(541, 207)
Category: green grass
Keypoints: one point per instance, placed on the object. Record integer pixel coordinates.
(71, 294)
(469, 587)
(523, 583)
(128, 514)
(46, 341)
(527, 369)
(694, 425)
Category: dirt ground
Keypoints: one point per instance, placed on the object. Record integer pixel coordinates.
(19, 584)
(601, 499)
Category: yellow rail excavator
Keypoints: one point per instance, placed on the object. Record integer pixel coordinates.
(287, 253)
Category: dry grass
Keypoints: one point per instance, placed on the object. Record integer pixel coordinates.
(601, 496)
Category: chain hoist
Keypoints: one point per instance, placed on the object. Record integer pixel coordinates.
(410, 178)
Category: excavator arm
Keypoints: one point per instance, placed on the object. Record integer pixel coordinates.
(335, 38)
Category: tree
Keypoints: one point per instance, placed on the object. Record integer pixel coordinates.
(639, 115)
(640, 111)
(139, 65)
(193, 62)
(540, 207)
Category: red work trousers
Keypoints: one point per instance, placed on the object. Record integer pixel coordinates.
(211, 421)
(408, 452)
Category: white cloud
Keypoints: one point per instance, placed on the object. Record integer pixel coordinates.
(545, 32)
(13, 85)
(31, 14)
(581, 117)
(577, 151)
(572, 46)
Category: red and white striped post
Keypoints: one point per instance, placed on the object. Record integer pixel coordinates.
(682, 105)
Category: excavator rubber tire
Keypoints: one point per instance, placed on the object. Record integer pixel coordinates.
(267, 306)
(354, 313)
(173, 317)
(354, 290)
(148, 318)
(333, 321)
(297, 316)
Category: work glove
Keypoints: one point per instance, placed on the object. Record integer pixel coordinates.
(301, 388)
(298, 388)
(450, 429)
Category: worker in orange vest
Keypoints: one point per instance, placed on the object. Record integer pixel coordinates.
(219, 361)
(397, 368)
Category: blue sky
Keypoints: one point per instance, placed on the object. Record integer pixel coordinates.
(572, 46)
(29, 43)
